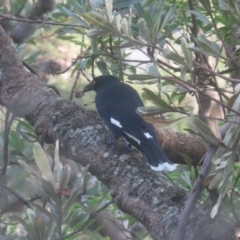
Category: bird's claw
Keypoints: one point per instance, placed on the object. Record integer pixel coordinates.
(110, 140)
(128, 146)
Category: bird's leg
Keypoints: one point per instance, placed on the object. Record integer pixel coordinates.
(110, 139)
(128, 146)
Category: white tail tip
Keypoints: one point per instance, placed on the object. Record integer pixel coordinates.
(167, 167)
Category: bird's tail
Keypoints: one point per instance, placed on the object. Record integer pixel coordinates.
(155, 155)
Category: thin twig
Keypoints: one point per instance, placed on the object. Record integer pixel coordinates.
(74, 85)
(8, 123)
(42, 22)
(197, 189)
(231, 199)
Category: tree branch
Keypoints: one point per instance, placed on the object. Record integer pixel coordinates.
(136, 189)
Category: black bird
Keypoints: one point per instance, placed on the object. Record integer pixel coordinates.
(117, 103)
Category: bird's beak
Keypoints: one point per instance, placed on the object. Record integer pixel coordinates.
(88, 87)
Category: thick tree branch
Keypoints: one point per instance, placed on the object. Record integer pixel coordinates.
(136, 189)
(22, 31)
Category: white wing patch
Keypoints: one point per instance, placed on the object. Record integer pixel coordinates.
(164, 167)
(132, 137)
(116, 122)
(148, 135)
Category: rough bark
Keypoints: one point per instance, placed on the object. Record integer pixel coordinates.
(137, 190)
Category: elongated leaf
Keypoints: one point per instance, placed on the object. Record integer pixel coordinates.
(28, 168)
(223, 5)
(231, 136)
(159, 122)
(102, 66)
(153, 71)
(119, 4)
(216, 206)
(39, 228)
(100, 22)
(206, 4)
(57, 161)
(168, 54)
(65, 176)
(109, 9)
(75, 18)
(94, 44)
(76, 190)
(51, 227)
(166, 18)
(187, 53)
(43, 162)
(187, 159)
(49, 190)
(208, 46)
(203, 130)
(200, 16)
(42, 210)
(213, 124)
(157, 100)
(216, 180)
(31, 215)
(28, 228)
(151, 111)
(95, 32)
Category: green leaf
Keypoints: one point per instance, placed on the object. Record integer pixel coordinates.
(51, 227)
(153, 71)
(231, 136)
(49, 190)
(31, 215)
(216, 180)
(97, 20)
(109, 9)
(42, 210)
(28, 168)
(209, 47)
(206, 4)
(199, 16)
(186, 52)
(94, 44)
(28, 228)
(96, 32)
(43, 162)
(58, 165)
(152, 111)
(77, 7)
(168, 54)
(166, 18)
(203, 130)
(157, 100)
(102, 66)
(187, 159)
(119, 4)
(186, 178)
(65, 176)
(75, 18)
(216, 206)
(223, 5)
(39, 228)
(78, 188)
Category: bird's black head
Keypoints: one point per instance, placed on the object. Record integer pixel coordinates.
(100, 82)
